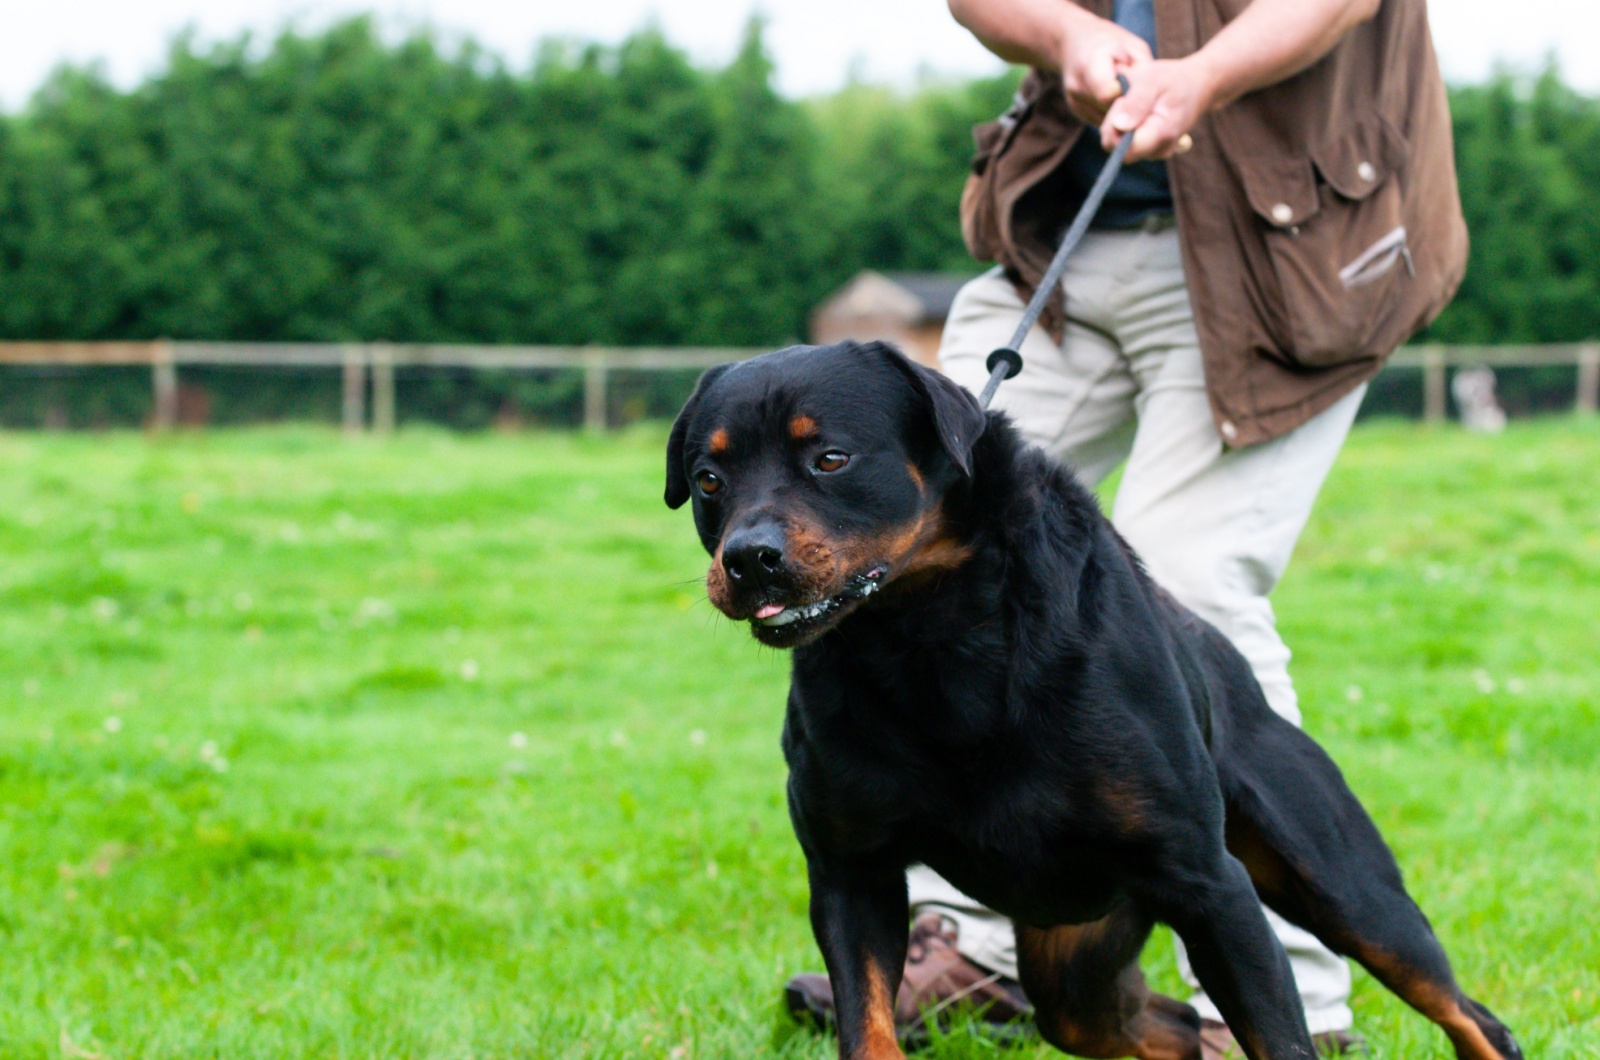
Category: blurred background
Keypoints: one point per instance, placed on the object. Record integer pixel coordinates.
(611, 175)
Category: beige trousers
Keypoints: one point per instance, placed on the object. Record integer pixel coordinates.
(1215, 526)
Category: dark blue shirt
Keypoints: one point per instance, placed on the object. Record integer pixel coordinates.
(1142, 188)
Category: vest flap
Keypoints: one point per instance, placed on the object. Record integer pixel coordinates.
(1283, 190)
(1361, 158)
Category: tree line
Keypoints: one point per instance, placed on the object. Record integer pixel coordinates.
(337, 187)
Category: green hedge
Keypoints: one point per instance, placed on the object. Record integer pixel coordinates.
(337, 187)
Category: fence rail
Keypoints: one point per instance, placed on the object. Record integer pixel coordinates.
(371, 366)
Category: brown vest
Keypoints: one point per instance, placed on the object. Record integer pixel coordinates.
(1319, 218)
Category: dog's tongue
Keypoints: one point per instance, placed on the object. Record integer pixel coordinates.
(768, 610)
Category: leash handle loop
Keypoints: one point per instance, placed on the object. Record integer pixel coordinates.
(1006, 361)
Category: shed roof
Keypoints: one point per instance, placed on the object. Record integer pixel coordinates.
(913, 297)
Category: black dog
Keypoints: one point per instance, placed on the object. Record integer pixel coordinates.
(986, 681)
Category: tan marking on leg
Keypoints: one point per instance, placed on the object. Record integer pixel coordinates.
(1468, 1037)
(1110, 1015)
(1463, 1031)
(878, 1040)
(802, 427)
(1435, 1002)
(718, 445)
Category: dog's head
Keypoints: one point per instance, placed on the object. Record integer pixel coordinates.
(818, 475)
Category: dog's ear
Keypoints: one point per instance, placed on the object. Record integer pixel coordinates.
(677, 477)
(958, 419)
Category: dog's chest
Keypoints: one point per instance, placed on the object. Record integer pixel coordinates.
(1020, 814)
(1012, 829)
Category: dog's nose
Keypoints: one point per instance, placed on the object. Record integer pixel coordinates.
(752, 555)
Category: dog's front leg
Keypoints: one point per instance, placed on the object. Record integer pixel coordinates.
(859, 915)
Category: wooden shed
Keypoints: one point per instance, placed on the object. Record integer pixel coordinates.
(905, 308)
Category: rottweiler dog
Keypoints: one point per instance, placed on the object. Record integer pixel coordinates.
(986, 681)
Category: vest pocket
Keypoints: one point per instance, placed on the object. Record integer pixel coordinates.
(1334, 228)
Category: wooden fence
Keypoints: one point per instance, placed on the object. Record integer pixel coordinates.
(374, 364)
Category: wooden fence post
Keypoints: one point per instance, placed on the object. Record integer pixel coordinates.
(1588, 380)
(354, 405)
(594, 390)
(382, 356)
(1433, 386)
(164, 385)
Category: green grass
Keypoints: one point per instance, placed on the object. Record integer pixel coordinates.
(432, 748)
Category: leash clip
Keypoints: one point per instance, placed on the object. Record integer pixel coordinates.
(1007, 356)
(1002, 364)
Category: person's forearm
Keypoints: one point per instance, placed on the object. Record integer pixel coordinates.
(1272, 40)
(1267, 42)
(1031, 32)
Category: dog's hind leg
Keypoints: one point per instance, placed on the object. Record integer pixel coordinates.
(1090, 998)
(1208, 900)
(1317, 859)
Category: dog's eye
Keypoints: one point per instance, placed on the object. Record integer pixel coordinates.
(708, 482)
(832, 461)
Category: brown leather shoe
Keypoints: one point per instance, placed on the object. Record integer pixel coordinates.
(1218, 1043)
(938, 982)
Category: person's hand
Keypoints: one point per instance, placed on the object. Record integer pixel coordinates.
(1094, 53)
(1165, 99)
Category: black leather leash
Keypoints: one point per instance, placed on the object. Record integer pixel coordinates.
(1006, 361)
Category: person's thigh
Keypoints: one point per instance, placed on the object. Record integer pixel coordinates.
(1215, 526)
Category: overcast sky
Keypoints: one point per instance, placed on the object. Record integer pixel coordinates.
(816, 42)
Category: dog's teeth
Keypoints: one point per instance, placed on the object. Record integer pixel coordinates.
(795, 614)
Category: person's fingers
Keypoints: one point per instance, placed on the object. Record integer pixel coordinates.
(1138, 53)
(1125, 116)
(1130, 111)
(1147, 143)
(1158, 137)
(1100, 78)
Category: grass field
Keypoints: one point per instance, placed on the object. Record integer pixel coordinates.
(430, 747)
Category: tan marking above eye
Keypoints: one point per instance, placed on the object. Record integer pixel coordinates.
(802, 427)
(719, 441)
